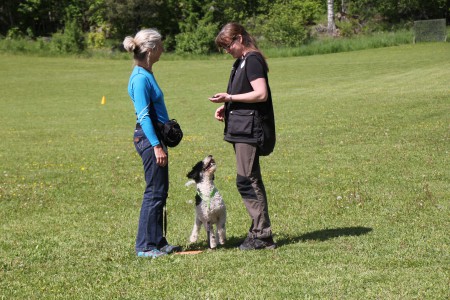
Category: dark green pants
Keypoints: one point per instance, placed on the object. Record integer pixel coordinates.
(251, 187)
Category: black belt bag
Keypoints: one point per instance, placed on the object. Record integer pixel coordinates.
(169, 133)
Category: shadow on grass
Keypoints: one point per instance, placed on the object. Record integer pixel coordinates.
(319, 235)
(325, 234)
(231, 242)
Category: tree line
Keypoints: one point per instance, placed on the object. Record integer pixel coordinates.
(191, 25)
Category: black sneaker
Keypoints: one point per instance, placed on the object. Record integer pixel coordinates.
(170, 249)
(258, 243)
(247, 244)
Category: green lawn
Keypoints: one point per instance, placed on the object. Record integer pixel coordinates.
(359, 184)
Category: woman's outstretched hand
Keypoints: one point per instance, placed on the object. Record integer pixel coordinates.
(220, 98)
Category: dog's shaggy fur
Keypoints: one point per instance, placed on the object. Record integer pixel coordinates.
(210, 208)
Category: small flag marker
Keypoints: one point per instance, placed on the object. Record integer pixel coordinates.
(103, 100)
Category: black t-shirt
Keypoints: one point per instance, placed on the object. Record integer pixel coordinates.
(247, 70)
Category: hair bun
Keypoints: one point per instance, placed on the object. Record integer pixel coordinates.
(129, 44)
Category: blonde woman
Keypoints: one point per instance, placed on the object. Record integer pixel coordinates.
(148, 100)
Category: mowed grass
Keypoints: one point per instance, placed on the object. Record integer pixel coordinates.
(358, 187)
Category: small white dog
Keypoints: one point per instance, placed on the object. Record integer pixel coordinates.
(210, 208)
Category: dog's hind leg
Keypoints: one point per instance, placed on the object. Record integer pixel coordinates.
(195, 230)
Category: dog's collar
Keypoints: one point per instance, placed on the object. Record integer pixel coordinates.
(207, 199)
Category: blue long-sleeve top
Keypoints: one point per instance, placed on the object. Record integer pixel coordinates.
(142, 89)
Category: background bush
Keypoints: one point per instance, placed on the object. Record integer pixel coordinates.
(278, 23)
(287, 24)
(200, 41)
(71, 40)
(96, 40)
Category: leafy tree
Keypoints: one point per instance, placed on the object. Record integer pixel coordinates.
(37, 17)
(197, 25)
(194, 23)
(96, 12)
(395, 11)
(201, 20)
(43, 17)
(129, 16)
(287, 21)
(70, 40)
(241, 11)
(200, 41)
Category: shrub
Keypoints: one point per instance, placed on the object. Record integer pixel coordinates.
(99, 36)
(96, 40)
(347, 28)
(14, 33)
(70, 41)
(287, 24)
(199, 41)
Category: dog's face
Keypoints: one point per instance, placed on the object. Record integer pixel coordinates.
(203, 169)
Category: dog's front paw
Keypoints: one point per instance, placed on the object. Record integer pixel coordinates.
(212, 241)
(189, 183)
(193, 238)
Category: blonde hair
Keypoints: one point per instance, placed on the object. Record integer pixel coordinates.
(144, 42)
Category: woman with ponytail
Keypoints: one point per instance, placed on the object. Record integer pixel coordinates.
(148, 100)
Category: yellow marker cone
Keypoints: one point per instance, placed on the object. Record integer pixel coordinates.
(103, 100)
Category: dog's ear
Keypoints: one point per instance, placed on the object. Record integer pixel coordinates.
(195, 173)
(191, 174)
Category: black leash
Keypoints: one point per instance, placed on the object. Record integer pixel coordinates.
(165, 220)
(208, 231)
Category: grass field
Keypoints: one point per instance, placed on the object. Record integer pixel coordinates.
(359, 184)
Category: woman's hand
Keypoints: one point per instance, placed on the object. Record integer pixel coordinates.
(220, 113)
(161, 156)
(220, 98)
(259, 94)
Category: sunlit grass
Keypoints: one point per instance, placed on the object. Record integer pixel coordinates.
(358, 185)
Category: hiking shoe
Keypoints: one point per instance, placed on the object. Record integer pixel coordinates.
(155, 253)
(258, 243)
(170, 249)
